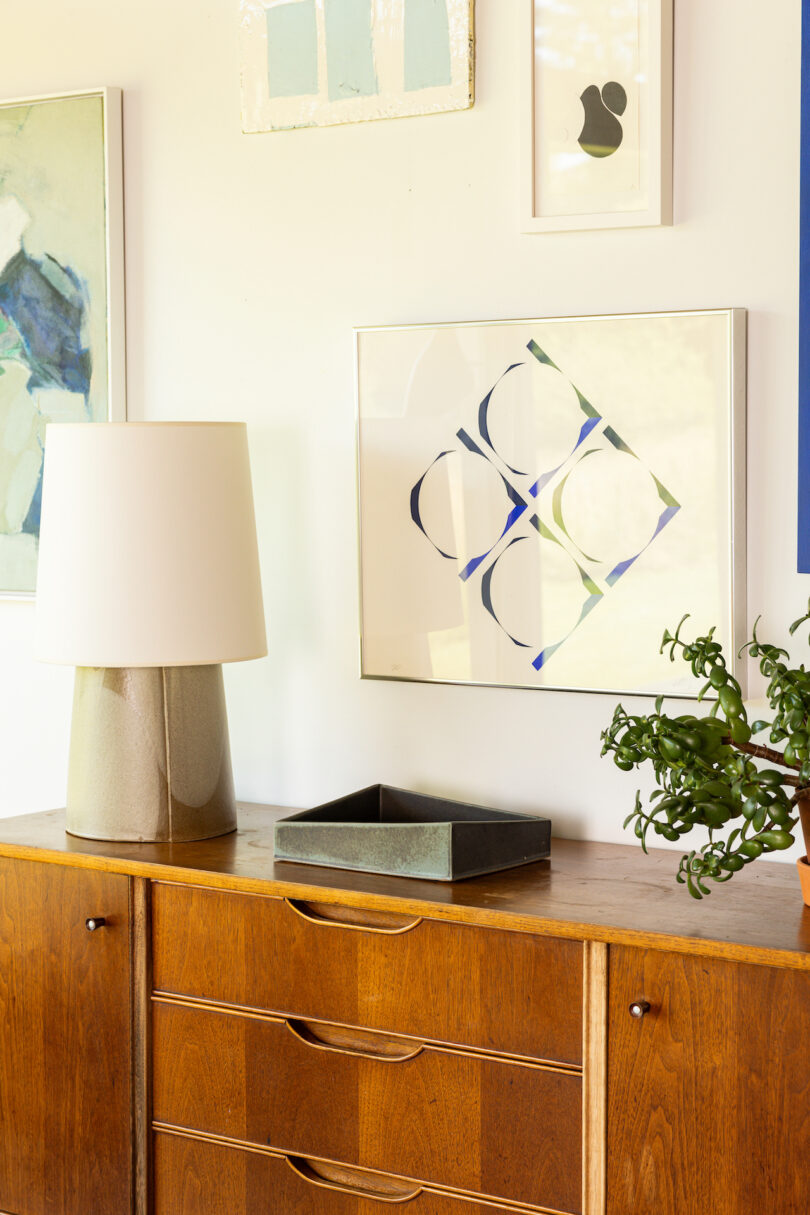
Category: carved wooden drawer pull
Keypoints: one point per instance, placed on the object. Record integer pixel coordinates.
(373, 1186)
(332, 916)
(358, 1042)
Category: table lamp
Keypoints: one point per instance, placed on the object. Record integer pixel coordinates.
(148, 580)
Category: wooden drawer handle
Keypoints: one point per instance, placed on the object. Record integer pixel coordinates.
(332, 916)
(344, 1041)
(347, 1181)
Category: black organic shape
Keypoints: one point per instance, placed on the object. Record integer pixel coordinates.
(602, 132)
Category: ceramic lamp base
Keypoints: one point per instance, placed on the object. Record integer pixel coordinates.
(150, 759)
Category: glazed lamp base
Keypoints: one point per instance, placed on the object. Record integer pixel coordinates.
(150, 759)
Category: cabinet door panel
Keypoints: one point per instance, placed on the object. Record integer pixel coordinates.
(709, 1093)
(65, 1131)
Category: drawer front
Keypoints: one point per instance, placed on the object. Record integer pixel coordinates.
(467, 1122)
(481, 987)
(198, 1178)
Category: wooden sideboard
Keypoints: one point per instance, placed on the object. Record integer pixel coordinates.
(248, 1037)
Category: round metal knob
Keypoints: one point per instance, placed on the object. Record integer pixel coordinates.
(639, 1009)
(95, 921)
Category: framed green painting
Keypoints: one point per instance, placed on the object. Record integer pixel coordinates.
(61, 295)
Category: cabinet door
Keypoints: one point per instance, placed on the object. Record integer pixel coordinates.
(65, 1130)
(709, 1091)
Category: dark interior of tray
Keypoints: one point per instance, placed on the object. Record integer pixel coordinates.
(381, 804)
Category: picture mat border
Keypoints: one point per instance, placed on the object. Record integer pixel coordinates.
(660, 211)
(114, 248)
(736, 618)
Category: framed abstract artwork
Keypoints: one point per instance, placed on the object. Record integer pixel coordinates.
(597, 108)
(313, 63)
(539, 500)
(803, 564)
(61, 295)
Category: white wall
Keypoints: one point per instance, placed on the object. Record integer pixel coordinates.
(250, 258)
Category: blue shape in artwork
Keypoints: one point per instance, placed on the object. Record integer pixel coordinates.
(543, 481)
(349, 49)
(292, 49)
(45, 306)
(45, 303)
(483, 418)
(593, 418)
(31, 522)
(427, 45)
(416, 512)
(486, 593)
(667, 515)
(587, 607)
(593, 592)
(804, 311)
(518, 508)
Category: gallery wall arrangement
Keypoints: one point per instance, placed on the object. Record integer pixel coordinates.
(537, 498)
(61, 295)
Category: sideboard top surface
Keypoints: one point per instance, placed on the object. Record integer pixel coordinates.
(590, 891)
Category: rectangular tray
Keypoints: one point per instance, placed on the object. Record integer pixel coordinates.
(385, 830)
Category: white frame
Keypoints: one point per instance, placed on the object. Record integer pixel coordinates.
(735, 615)
(112, 102)
(659, 211)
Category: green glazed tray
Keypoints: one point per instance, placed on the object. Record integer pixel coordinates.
(385, 830)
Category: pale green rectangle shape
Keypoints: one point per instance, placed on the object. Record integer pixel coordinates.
(292, 49)
(350, 49)
(427, 45)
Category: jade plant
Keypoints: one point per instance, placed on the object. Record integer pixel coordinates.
(709, 771)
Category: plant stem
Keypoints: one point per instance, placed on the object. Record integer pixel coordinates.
(775, 757)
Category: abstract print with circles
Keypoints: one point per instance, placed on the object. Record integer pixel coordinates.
(539, 500)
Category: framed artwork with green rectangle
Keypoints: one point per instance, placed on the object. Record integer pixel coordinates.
(321, 62)
(61, 295)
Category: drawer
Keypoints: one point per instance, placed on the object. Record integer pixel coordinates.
(496, 990)
(197, 1178)
(509, 1130)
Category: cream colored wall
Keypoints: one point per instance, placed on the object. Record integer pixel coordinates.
(250, 258)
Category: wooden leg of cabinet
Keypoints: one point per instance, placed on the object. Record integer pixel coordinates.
(594, 1057)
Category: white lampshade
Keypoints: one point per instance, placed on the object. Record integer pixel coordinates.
(148, 554)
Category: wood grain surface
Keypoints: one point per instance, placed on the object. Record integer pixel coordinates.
(508, 1130)
(486, 988)
(602, 892)
(66, 1132)
(206, 1178)
(709, 1094)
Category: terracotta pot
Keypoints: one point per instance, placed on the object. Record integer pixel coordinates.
(804, 863)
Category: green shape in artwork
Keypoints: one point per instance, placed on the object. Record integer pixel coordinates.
(427, 45)
(350, 49)
(292, 49)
